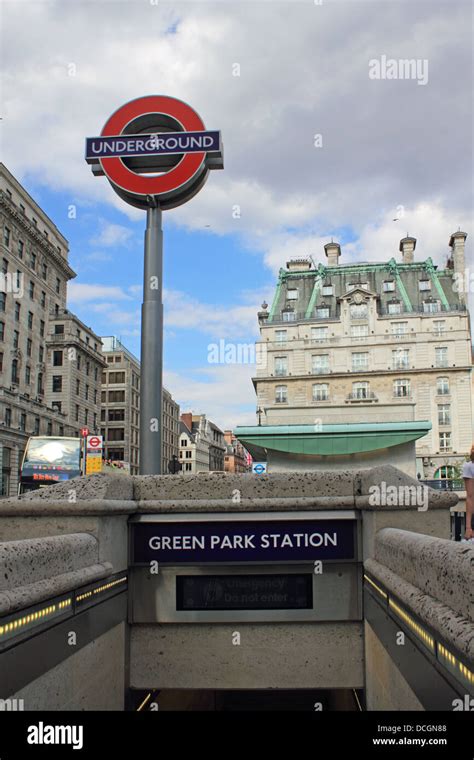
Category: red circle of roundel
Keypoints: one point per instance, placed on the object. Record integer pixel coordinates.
(93, 442)
(120, 175)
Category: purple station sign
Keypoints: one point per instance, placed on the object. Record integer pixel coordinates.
(185, 542)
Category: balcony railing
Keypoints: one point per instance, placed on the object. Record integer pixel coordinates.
(451, 484)
(358, 396)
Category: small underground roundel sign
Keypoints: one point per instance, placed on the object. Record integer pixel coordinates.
(155, 150)
(259, 468)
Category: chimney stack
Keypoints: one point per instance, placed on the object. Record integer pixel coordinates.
(407, 247)
(456, 243)
(187, 418)
(332, 251)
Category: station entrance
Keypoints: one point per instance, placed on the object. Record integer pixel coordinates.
(245, 700)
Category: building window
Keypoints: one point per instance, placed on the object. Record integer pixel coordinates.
(2, 330)
(57, 383)
(401, 388)
(16, 338)
(3, 301)
(23, 423)
(57, 358)
(281, 394)
(43, 299)
(42, 328)
(95, 397)
(41, 354)
(442, 386)
(86, 416)
(116, 415)
(439, 326)
(281, 366)
(116, 434)
(360, 362)
(189, 454)
(30, 320)
(1, 361)
(359, 331)
(32, 290)
(6, 237)
(37, 426)
(327, 290)
(116, 377)
(424, 285)
(44, 271)
(446, 472)
(96, 373)
(59, 329)
(289, 316)
(39, 385)
(444, 414)
(431, 307)
(319, 334)
(87, 393)
(280, 336)
(399, 328)
(320, 392)
(360, 390)
(320, 364)
(292, 294)
(57, 406)
(15, 371)
(441, 356)
(4, 266)
(58, 285)
(33, 261)
(394, 307)
(400, 358)
(17, 311)
(359, 311)
(388, 286)
(21, 248)
(29, 345)
(445, 441)
(78, 387)
(50, 428)
(87, 368)
(323, 312)
(8, 417)
(116, 397)
(77, 412)
(354, 285)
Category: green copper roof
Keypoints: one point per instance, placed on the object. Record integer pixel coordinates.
(330, 440)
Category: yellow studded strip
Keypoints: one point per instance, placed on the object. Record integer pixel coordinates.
(417, 629)
(100, 589)
(448, 659)
(377, 588)
(33, 617)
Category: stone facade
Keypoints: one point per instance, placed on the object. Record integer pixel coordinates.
(120, 415)
(371, 343)
(235, 458)
(201, 444)
(33, 285)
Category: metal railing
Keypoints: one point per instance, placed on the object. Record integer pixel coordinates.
(445, 484)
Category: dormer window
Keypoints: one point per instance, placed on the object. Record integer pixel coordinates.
(327, 290)
(292, 295)
(394, 307)
(430, 306)
(389, 286)
(425, 285)
(323, 311)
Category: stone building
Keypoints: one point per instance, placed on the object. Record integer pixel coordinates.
(120, 414)
(33, 286)
(201, 444)
(235, 457)
(372, 343)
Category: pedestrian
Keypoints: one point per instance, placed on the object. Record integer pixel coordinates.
(468, 475)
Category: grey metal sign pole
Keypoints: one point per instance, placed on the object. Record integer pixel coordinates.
(151, 383)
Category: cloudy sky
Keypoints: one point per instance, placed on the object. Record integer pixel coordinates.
(314, 147)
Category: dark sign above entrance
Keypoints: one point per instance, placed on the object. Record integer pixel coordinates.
(184, 542)
(244, 592)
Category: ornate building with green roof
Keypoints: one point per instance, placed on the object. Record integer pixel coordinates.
(371, 343)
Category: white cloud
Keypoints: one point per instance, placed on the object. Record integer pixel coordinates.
(112, 235)
(218, 321)
(79, 293)
(224, 393)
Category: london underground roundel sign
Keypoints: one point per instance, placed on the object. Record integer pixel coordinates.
(155, 150)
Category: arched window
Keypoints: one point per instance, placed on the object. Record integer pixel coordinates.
(446, 472)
